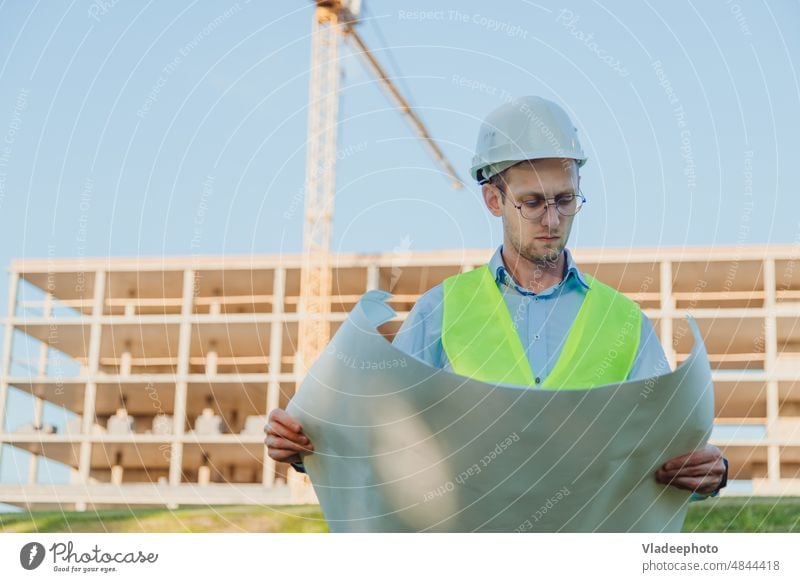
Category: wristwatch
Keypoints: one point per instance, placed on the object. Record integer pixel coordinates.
(724, 481)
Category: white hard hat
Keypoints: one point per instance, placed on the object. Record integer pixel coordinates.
(527, 128)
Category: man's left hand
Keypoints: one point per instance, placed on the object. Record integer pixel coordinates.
(699, 471)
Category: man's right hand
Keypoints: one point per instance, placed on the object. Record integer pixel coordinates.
(285, 439)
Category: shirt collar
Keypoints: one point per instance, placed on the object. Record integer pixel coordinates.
(503, 276)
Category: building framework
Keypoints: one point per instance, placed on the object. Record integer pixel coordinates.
(164, 370)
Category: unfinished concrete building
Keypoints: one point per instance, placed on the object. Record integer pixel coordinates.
(164, 369)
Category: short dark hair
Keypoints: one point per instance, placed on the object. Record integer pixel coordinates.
(498, 180)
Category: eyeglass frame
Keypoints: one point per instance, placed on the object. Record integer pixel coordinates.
(547, 204)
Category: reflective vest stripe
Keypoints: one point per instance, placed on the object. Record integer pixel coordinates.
(481, 341)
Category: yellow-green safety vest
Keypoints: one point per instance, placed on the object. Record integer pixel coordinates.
(481, 341)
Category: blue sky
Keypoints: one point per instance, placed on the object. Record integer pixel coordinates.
(122, 128)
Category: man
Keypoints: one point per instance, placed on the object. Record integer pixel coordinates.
(530, 316)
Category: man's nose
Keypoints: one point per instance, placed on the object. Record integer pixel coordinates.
(551, 217)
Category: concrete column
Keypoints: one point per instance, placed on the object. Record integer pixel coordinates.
(204, 475)
(667, 312)
(770, 321)
(117, 470)
(181, 386)
(772, 422)
(90, 393)
(13, 283)
(38, 403)
(773, 464)
(215, 307)
(211, 359)
(770, 288)
(125, 361)
(372, 277)
(770, 366)
(33, 462)
(275, 356)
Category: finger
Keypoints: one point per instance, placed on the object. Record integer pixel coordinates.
(686, 483)
(699, 484)
(695, 471)
(716, 467)
(284, 456)
(282, 443)
(287, 455)
(281, 417)
(281, 431)
(663, 478)
(691, 459)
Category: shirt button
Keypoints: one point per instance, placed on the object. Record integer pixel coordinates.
(536, 337)
(538, 380)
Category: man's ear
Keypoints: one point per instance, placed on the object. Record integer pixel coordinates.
(491, 197)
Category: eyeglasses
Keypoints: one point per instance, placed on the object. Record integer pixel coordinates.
(535, 208)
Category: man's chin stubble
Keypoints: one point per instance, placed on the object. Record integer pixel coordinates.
(546, 259)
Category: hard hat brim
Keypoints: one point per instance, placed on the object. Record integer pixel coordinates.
(478, 166)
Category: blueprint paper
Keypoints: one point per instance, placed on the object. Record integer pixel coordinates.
(401, 446)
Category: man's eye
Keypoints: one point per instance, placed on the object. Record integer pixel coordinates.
(536, 203)
(565, 200)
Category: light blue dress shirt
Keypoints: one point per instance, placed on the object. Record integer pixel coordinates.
(542, 320)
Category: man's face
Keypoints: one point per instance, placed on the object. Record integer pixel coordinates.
(542, 239)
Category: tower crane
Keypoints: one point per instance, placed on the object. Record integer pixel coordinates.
(334, 19)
